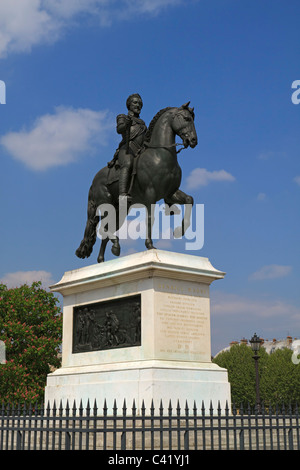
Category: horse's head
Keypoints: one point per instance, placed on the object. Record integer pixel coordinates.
(183, 125)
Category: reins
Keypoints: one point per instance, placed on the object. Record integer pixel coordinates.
(167, 147)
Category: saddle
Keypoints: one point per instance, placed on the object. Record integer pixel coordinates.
(114, 167)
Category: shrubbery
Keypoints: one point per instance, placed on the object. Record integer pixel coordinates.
(31, 328)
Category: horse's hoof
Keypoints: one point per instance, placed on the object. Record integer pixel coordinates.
(178, 232)
(100, 259)
(172, 210)
(116, 250)
(149, 245)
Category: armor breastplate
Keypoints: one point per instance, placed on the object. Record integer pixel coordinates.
(137, 132)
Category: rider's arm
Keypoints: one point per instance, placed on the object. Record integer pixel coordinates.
(123, 122)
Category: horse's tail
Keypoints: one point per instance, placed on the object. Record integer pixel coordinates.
(90, 235)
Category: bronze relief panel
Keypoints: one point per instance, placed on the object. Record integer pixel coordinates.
(107, 325)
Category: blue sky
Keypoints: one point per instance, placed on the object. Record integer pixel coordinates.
(69, 66)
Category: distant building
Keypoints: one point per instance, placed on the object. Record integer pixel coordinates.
(271, 346)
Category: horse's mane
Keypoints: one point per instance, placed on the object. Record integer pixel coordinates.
(153, 122)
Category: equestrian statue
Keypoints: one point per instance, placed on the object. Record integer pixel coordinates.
(143, 171)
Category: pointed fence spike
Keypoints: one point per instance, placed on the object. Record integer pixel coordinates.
(226, 407)
(88, 408)
(124, 407)
(133, 407)
(61, 407)
(105, 409)
(161, 408)
(115, 409)
(152, 409)
(283, 408)
(74, 409)
(95, 409)
(186, 408)
(270, 409)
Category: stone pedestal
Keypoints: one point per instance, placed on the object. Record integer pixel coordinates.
(138, 328)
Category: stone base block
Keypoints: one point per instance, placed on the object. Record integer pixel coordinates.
(138, 328)
(141, 384)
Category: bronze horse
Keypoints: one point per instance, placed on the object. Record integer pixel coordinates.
(157, 176)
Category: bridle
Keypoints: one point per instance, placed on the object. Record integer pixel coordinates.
(167, 147)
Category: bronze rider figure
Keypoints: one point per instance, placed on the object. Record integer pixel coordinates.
(133, 130)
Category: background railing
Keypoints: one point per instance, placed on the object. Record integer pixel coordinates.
(78, 428)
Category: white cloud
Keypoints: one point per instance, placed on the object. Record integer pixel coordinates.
(59, 138)
(231, 304)
(118, 9)
(297, 180)
(202, 177)
(149, 6)
(27, 23)
(19, 278)
(267, 155)
(23, 24)
(272, 271)
(261, 197)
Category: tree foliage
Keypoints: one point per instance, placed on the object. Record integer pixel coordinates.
(31, 329)
(279, 377)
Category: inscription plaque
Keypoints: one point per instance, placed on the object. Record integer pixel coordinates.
(183, 326)
(107, 325)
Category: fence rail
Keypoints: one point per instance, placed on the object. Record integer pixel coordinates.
(78, 428)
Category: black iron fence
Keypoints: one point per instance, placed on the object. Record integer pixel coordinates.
(184, 429)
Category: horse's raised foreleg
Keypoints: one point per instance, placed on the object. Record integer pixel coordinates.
(179, 197)
(150, 222)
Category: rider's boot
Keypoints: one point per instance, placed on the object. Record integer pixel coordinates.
(123, 185)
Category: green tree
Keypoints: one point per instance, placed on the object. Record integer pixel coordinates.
(279, 377)
(280, 382)
(238, 361)
(31, 328)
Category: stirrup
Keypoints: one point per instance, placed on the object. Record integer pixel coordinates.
(124, 199)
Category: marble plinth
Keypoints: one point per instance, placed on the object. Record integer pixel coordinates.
(165, 355)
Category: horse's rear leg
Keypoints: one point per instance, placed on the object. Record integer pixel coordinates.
(100, 258)
(109, 224)
(86, 246)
